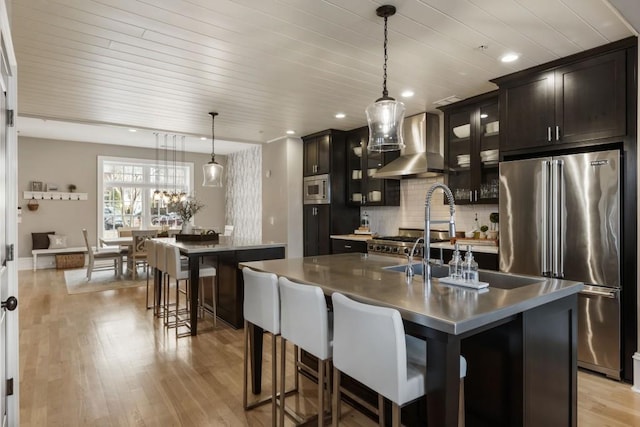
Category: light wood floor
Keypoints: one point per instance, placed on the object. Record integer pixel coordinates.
(101, 359)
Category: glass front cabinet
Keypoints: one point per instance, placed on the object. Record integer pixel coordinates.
(362, 188)
(471, 148)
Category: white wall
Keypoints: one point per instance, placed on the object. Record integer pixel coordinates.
(282, 194)
(67, 162)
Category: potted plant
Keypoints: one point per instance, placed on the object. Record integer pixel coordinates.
(186, 209)
(483, 232)
(494, 218)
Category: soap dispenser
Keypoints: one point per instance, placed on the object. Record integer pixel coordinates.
(469, 267)
(455, 265)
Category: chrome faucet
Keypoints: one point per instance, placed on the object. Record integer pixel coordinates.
(426, 254)
(408, 271)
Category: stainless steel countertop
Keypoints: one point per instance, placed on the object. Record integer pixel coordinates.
(224, 244)
(451, 309)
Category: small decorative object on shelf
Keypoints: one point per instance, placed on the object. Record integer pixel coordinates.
(33, 205)
(37, 186)
(72, 188)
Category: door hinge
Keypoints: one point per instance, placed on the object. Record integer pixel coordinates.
(10, 118)
(10, 387)
(10, 252)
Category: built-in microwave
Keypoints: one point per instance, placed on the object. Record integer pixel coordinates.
(317, 189)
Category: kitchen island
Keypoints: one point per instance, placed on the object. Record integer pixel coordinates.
(225, 256)
(519, 336)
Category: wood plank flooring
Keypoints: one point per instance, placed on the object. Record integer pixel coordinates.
(102, 359)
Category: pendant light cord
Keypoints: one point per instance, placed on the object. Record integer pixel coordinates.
(213, 137)
(384, 68)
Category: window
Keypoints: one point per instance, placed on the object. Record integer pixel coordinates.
(134, 193)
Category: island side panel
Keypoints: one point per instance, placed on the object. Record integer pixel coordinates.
(230, 287)
(550, 367)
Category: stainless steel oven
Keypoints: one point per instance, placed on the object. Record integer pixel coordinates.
(317, 189)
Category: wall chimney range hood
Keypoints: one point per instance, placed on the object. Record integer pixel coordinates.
(422, 155)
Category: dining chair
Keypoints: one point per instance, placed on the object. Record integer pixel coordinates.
(138, 251)
(102, 254)
(370, 346)
(306, 323)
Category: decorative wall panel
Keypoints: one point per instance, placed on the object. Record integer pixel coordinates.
(244, 193)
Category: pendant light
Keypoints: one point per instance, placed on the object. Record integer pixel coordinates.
(157, 194)
(385, 116)
(213, 170)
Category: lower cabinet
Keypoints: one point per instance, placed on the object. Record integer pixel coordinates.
(316, 221)
(343, 246)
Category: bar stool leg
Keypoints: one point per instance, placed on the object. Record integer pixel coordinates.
(246, 365)
(395, 414)
(283, 394)
(274, 379)
(336, 398)
(381, 411)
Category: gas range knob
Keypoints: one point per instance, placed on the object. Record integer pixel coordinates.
(406, 250)
(394, 250)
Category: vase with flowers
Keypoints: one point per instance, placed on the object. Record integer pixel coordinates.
(186, 209)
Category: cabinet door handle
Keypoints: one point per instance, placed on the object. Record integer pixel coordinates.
(557, 133)
(347, 246)
(548, 133)
(364, 199)
(470, 195)
(475, 194)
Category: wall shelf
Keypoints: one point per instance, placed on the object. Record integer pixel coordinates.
(53, 195)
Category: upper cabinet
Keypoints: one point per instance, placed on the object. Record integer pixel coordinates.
(317, 154)
(579, 101)
(362, 187)
(472, 130)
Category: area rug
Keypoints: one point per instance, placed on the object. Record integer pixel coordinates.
(76, 281)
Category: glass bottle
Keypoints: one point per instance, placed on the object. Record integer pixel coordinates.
(364, 221)
(455, 265)
(469, 267)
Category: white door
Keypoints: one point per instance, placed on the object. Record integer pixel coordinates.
(8, 302)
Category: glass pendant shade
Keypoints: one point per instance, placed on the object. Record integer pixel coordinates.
(212, 174)
(385, 117)
(212, 171)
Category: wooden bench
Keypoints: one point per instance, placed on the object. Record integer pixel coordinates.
(36, 252)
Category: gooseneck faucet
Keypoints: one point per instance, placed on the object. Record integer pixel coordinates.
(426, 254)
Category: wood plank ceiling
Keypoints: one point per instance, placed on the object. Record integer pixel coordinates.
(268, 66)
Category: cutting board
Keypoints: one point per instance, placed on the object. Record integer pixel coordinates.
(474, 242)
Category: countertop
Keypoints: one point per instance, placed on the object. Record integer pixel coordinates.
(488, 249)
(224, 244)
(447, 308)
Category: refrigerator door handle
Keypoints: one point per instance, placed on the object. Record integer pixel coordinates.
(557, 225)
(606, 294)
(544, 247)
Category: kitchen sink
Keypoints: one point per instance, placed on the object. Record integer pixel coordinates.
(436, 270)
(493, 278)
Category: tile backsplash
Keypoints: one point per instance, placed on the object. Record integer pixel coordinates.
(385, 220)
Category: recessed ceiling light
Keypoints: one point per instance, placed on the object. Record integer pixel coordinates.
(484, 116)
(291, 132)
(509, 57)
(133, 130)
(407, 94)
(203, 138)
(340, 115)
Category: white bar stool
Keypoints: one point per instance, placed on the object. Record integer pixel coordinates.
(305, 321)
(371, 347)
(176, 270)
(150, 248)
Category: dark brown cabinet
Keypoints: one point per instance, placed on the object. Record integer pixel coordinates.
(317, 155)
(578, 102)
(362, 188)
(342, 246)
(324, 153)
(316, 221)
(472, 131)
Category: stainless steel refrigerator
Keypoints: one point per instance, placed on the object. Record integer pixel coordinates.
(560, 217)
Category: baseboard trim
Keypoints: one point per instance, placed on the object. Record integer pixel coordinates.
(44, 262)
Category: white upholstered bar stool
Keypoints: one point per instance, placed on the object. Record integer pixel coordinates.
(261, 307)
(176, 270)
(306, 323)
(370, 346)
